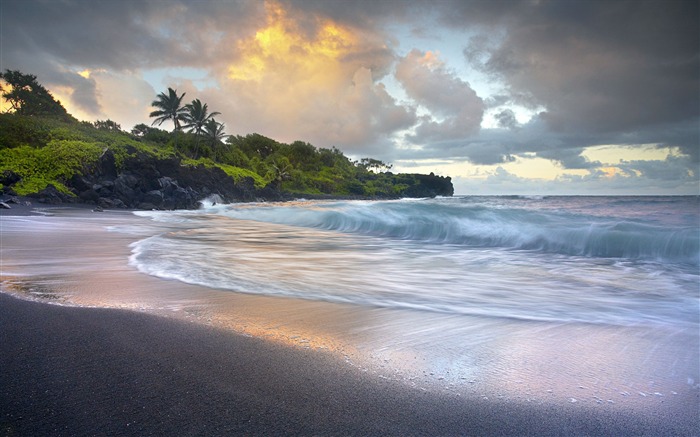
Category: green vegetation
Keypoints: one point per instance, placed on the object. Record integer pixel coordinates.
(41, 144)
(54, 164)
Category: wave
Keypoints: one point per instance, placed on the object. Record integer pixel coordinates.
(473, 256)
(492, 226)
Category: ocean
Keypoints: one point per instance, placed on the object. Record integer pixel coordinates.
(608, 260)
(579, 301)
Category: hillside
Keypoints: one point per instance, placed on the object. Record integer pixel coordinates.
(51, 156)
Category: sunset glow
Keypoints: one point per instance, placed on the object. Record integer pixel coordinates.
(282, 49)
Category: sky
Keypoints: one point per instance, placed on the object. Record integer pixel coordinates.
(506, 97)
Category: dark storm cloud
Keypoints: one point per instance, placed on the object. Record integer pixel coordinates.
(602, 72)
(91, 34)
(500, 145)
(673, 168)
(570, 158)
(506, 119)
(609, 66)
(120, 35)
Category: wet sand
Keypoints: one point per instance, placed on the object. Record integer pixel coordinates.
(189, 360)
(88, 371)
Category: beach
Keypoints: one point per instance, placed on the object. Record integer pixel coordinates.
(91, 346)
(77, 371)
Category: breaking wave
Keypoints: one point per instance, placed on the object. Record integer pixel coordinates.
(479, 225)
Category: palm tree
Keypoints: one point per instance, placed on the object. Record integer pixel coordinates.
(214, 132)
(169, 108)
(196, 117)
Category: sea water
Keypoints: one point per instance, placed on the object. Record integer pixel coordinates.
(577, 301)
(603, 260)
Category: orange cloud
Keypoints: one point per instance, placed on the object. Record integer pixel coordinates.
(310, 78)
(610, 172)
(283, 44)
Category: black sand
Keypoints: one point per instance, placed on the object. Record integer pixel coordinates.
(84, 371)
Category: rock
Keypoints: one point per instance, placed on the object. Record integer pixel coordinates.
(124, 188)
(104, 189)
(89, 195)
(79, 183)
(167, 185)
(52, 196)
(8, 177)
(105, 202)
(107, 166)
(98, 209)
(182, 198)
(154, 197)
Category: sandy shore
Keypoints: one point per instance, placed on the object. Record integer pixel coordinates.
(159, 357)
(86, 371)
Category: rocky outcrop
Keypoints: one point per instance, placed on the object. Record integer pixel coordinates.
(146, 182)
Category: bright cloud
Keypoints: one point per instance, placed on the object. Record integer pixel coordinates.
(317, 84)
(455, 109)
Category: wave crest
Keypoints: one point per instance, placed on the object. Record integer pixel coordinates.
(477, 225)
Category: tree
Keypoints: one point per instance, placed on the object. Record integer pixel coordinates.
(371, 163)
(214, 132)
(28, 97)
(169, 108)
(280, 170)
(196, 116)
(108, 125)
(141, 130)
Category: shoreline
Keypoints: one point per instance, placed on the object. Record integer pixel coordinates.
(126, 340)
(80, 371)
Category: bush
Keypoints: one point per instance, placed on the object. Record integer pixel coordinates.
(54, 164)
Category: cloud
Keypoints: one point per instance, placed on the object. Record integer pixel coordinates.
(124, 35)
(57, 40)
(598, 181)
(319, 83)
(347, 74)
(673, 168)
(604, 66)
(506, 119)
(570, 158)
(456, 110)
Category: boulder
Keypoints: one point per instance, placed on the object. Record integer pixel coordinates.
(108, 203)
(146, 206)
(154, 197)
(107, 165)
(8, 177)
(104, 189)
(125, 189)
(52, 196)
(89, 195)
